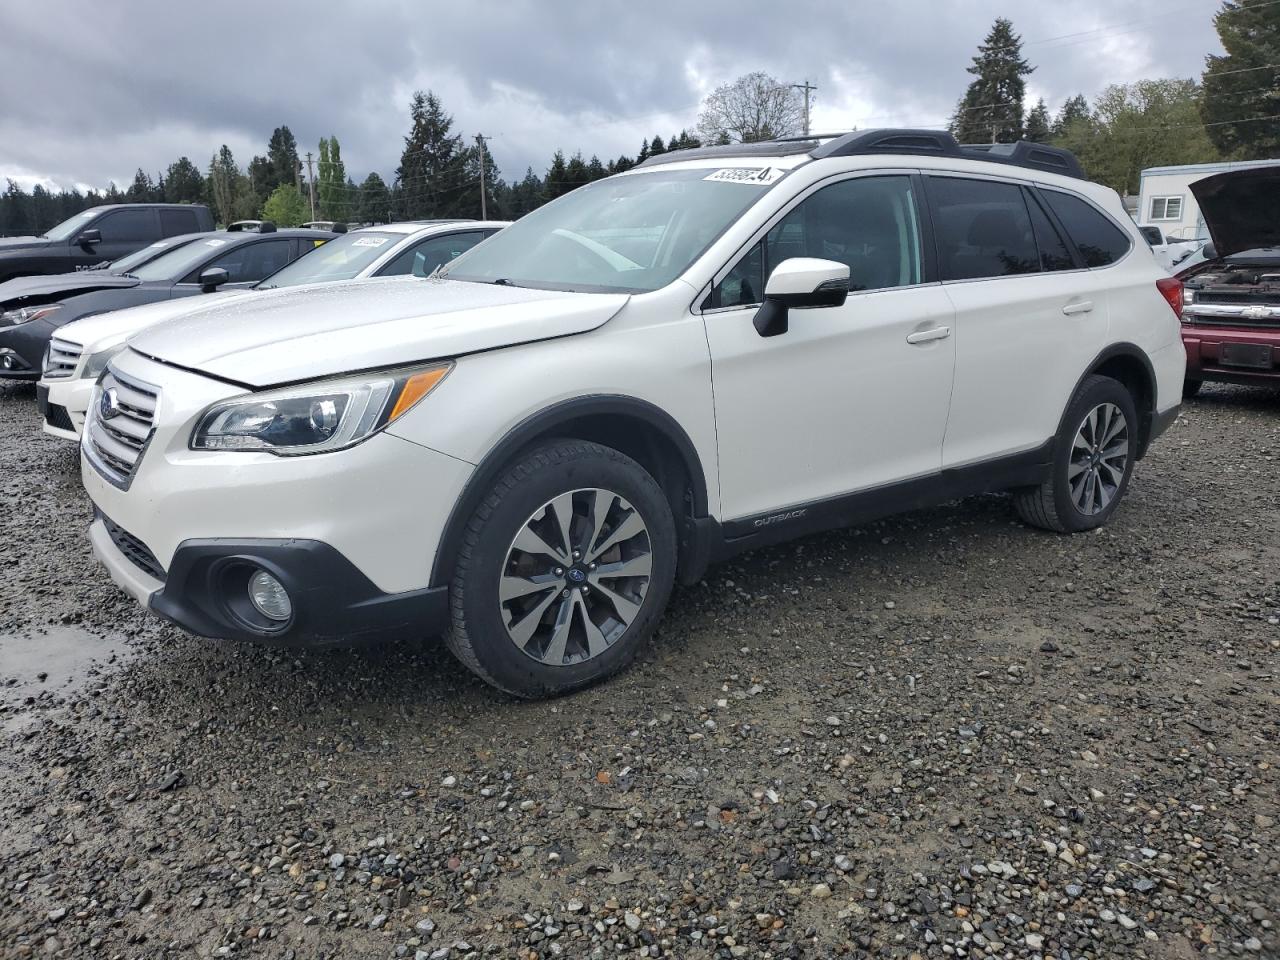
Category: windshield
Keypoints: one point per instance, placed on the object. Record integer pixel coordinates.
(70, 226)
(628, 234)
(139, 257)
(176, 264)
(340, 259)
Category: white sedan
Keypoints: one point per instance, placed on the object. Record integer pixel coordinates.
(80, 351)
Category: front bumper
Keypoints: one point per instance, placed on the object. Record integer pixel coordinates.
(1204, 345)
(205, 591)
(22, 349)
(63, 404)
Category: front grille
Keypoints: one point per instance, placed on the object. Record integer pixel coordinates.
(57, 417)
(119, 427)
(133, 548)
(61, 360)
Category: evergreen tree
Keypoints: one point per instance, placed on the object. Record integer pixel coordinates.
(142, 190)
(991, 110)
(557, 182)
(595, 169)
(1243, 87)
(657, 147)
(17, 216)
(183, 184)
(430, 175)
(282, 154)
(527, 195)
(262, 177)
(375, 201)
(1038, 130)
(466, 203)
(44, 209)
(229, 191)
(1073, 112)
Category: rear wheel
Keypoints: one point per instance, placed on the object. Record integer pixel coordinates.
(564, 570)
(1190, 388)
(1093, 461)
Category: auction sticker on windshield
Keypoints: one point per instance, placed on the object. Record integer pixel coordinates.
(751, 175)
(369, 242)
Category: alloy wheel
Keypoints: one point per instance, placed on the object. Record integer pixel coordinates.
(575, 576)
(1099, 458)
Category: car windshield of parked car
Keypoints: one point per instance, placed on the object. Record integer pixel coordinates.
(340, 259)
(178, 263)
(627, 234)
(70, 226)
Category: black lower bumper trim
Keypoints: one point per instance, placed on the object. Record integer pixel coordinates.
(1160, 422)
(333, 602)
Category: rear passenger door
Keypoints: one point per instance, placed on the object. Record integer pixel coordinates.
(124, 231)
(1029, 316)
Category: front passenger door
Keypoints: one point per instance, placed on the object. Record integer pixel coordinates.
(851, 397)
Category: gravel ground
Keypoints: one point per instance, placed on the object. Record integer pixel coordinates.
(941, 735)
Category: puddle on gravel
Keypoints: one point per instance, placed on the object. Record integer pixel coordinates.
(59, 660)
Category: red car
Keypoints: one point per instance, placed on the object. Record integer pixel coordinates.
(1231, 301)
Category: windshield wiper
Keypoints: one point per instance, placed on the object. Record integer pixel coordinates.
(503, 282)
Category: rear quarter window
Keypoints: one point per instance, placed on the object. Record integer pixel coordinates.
(1099, 241)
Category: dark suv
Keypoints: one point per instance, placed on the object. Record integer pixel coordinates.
(98, 235)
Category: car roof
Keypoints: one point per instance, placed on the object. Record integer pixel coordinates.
(419, 227)
(888, 142)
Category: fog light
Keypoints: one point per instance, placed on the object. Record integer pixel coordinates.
(269, 596)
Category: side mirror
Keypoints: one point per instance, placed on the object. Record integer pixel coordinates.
(212, 279)
(802, 283)
(89, 238)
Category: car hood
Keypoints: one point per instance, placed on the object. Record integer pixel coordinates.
(1241, 208)
(29, 290)
(301, 333)
(20, 243)
(107, 329)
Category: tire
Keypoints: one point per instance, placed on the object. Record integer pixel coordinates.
(1056, 503)
(1190, 388)
(502, 595)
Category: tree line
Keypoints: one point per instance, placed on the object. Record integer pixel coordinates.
(1231, 112)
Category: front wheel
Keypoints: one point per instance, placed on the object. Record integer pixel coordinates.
(564, 570)
(1093, 461)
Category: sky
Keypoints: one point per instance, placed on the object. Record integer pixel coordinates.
(91, 92)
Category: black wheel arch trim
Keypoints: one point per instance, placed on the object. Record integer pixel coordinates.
(543, 424)
(1128, 351)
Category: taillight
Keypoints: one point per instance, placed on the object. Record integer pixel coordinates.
(1171, 289)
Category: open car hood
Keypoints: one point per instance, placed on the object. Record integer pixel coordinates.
(23, 291)
(1241, 208)
(303, 333)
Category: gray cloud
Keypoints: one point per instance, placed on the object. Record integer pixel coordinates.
(92, 92)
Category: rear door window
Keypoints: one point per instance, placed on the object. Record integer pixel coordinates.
(1099, 241)
(983, 229)
(1054, 253)
(174, 222)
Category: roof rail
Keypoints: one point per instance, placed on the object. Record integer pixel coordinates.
(932, 143)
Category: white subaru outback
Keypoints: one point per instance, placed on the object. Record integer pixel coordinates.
(722, 348)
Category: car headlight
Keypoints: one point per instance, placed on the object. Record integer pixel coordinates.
(97, 362)
(315, 417)
(14, 318)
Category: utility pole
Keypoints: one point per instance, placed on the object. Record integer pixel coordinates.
(808, 88)
(311, 185)
(484, 210)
